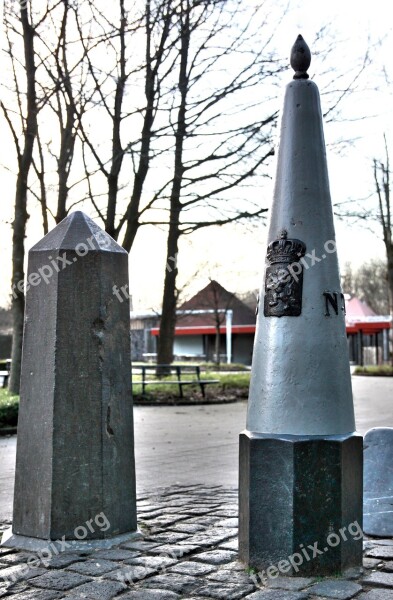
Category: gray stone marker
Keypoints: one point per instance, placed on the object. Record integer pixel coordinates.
(300, 458)
(75, 473)
(378, 482)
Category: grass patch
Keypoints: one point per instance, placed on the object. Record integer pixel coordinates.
(375, 370)
(228, 381)
(9, 406)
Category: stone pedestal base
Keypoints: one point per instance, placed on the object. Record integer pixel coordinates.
(54, 547)
(300, 503)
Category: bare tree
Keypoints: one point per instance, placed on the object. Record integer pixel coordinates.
(382, 186)
(24, 149)
(370, 284)
(153, 28)
(205, 175)
(42, 85)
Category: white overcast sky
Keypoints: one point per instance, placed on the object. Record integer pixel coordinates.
(234, 256)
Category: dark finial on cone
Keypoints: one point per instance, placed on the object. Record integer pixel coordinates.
(300, 58)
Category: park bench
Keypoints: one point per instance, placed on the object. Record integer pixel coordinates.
(4, 375)
(178, 371)
(5, 372)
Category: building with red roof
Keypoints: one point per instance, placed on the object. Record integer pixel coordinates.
(215, 310)
(367, 332)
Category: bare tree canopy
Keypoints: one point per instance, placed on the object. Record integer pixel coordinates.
(369, 283)
(156, 114)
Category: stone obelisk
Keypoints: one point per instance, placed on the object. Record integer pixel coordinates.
(300, 457)
(75, 472)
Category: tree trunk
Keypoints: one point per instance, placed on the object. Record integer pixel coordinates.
(65, 158)
(20, 215)
(117, 148)
(132, 213)
(168, 316)
(217, 345)
(389, 254)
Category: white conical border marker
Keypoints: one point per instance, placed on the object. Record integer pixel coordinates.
(300, 382)
(300, 461)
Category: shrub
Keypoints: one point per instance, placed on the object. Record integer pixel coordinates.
(9, 406)
(375, 370)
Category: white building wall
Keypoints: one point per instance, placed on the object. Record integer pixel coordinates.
(188, 345)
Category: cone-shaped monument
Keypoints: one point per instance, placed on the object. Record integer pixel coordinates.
(75, 473)
(300, 458)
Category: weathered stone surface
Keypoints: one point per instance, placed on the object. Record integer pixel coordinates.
(216, 557)
(140, 546)
(20, 572)
(115, 554)
(228, 523)
(174, 550)
(129, 574)
(277, 595)
(369, 563)
(170, 537)
(229, 592)
(209, 537)
(150, 595)
(380, 552)
(15, 558)
(188, 527)
(230, 545)
(75, 453)
(64, 560)
(339, 589)
(376, 595)
(96, 567)
(296, 492)
(59, 580)
(97, 590)
(37, 595)
(378, 482)
(190, 567)
(159, 563)
(228, 576)
(293, 584)
(387, 566)
(174, 582)
(379, 579)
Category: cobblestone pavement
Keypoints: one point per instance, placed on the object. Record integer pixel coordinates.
(189, 551)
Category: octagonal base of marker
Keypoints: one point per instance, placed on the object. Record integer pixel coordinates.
(300, 503)
(21, 542)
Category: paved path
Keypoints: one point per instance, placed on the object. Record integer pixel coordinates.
(189, 551)
(199, 444)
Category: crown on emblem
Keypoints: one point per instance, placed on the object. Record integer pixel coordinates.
(284, 250)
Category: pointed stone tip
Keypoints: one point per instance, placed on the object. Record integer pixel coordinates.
(300, 58)
(78, 232)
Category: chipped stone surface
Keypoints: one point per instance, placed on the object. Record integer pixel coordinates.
(293, 584)
(97, 590)
(379, 579)
(376, 595)
(174, 582)
(338, 589)
(229, 592)
(190, 567)
(277, 595)
(216, 557)
(59, 580)
(150, 595)
(36, 595)
(380, 552)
